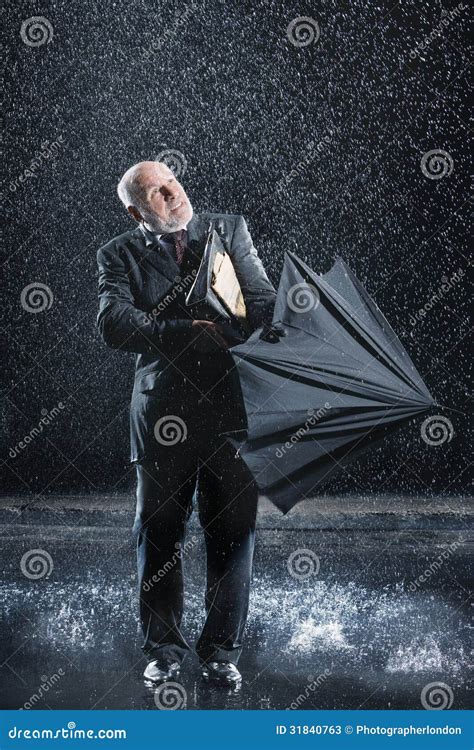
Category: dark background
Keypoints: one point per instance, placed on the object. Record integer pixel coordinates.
(229, 91)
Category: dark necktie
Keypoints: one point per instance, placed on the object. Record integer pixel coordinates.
(178, 239)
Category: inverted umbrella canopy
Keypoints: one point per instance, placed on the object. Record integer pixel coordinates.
(339, 381)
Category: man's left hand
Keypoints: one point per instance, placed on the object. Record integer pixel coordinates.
(273, 333)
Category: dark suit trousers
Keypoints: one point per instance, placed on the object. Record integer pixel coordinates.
(227, 504)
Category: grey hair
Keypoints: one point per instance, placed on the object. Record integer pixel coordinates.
(128, 189)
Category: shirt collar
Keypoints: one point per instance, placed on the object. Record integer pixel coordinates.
(150, 237)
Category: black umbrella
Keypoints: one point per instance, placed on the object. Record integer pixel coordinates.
(339, 381)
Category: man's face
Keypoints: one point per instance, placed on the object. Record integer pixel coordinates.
(164, 205)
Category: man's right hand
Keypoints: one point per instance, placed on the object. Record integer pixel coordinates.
(207, 336)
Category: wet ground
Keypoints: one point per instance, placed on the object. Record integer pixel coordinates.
(362, 605)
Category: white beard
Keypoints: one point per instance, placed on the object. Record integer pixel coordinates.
(155, 225)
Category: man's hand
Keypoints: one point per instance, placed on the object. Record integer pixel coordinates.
(207, 336)
(272, 332)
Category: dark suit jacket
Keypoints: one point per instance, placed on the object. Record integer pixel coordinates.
(141, 309)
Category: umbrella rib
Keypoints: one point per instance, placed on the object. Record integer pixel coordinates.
(364, 343)
(345, 452)
(353, 321)
(353, 327)
(270, 367)
(382, 322)
(328, 424)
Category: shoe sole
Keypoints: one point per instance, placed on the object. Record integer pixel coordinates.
(221, 681)
(160, 680)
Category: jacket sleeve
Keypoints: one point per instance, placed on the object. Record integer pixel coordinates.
(259, 294)
(121, 324)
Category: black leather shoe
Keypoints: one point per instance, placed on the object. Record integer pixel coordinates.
(221, 673)
(158, 672)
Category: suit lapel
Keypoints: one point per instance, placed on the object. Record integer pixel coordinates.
(197, 235)
(161, 260)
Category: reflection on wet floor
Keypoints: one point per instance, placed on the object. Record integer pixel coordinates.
(355, 619)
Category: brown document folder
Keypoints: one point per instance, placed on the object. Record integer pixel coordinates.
(216, 286)
(226, 286)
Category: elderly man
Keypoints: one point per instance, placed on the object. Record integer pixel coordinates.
(185, 397)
